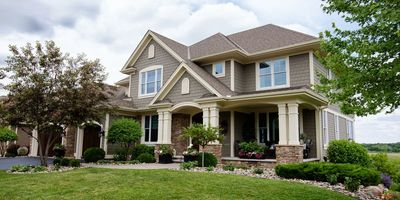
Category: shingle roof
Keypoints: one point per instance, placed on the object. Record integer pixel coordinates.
(122, 82)
(214, 44)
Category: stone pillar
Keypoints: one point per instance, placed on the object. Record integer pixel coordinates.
(293, 124)
(206, 116)
(214, 117)
(215, 149)
(70, 142)
(282, 112)
(167, 127)
(289, 154)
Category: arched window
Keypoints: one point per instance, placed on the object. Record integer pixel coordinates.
(151, 51)
(185, 86)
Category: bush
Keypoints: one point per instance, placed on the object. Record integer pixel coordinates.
(344, 151)
(59, 150)
(65, 162)
(16, 168)
(386, 180)
(320, 171)
(395, 187)
(189, 165)
(351, 184)
(124, 131)
(94, 154)
(209, 160)
(57, 161)
(12, 150)
(121, 154)
(258, 171)
(381, 163)
(332, 179)
(22, 151)
(228, 167)
(210, 169)
(39, 169)
(146, 158)
(75, 163)
(141, 149)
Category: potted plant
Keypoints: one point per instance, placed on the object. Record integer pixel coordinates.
(164, 154)
(59, 150)
(251, 150)
(190, 154)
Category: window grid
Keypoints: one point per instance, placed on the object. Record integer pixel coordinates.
(272, 74)
(151, 128)
(150, 81)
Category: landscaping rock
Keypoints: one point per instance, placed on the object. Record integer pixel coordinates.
(375, 191)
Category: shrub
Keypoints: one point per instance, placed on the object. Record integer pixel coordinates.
(57, 161)
(121, 154)
(320, 171)
(210, 169)
(59, 150)
(381, 162)
(344, 151)
(146, 158)
(395, 187)
(105, 162)
(332, 179)
(75, 163)
(22, 151)
(140, 149)
(65, 162)
(258, 171)
(16, 168)
(351, 184)
(39, 169)
(228, 167)
(124, 131)
(12, 150)
(21, 168)
(209, 160)
(6, 135)
(94, 154)
(189, 165)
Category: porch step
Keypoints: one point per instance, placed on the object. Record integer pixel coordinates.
(177, 159)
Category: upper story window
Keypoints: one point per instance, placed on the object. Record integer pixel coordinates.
(272, 74)
(151, 51)
(219, 69)
(150, 80)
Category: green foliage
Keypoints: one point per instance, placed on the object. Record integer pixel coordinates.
(22, 168)
(7, 135)
(202, 135)
(351, 184)
(57, 161)
(365, 59)
(320, 172)
(344, 151)
(39, 169)
(140, 149)
(228, 167)
(121, 154)
(165, 149)
(251, 147)
(94, 154)
(258, 171)
(12, 150)
(65, 162)
(210, 169)
(209, 159)
(395, 187)
(125, 131)
(389, 148)
(381, 163)
(146, 158)
(189, 165)
(332, 179)
(75, 163)
(22, 151)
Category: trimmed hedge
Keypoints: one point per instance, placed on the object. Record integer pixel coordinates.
(209, 160)
(141, 149)
(344, 151)
(94, 154)
(320, 172)
(146, 158)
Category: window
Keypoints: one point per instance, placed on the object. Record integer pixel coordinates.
(337, 136)
(151, 51)
(150, 128)
(271, 74)
(150, 81)
(350, 133)
(219, 69)
(325, 128)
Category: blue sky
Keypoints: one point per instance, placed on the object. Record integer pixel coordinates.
(110, 30)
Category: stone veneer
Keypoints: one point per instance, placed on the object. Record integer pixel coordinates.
(215, 149)
(289, 154)
(179, 121)
(70, 142)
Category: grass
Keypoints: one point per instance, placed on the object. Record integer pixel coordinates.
(91, 183)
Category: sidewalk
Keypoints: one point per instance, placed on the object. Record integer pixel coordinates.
(135, 166)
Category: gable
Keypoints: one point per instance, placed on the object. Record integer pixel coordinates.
(196, 90)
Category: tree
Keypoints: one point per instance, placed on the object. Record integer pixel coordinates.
(365, 60)
(6, 135)
(125, 132)
(202, 135)
(51, 91)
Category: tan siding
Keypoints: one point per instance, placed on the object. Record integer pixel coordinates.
(342, 128)
(196, 90)
(249, 74)
(299, 70)
(225, 79)
(331, 126)
(310, 129)
(23, 138)
(161, 57)
(224, 120)
(239, 77)
(319, 70)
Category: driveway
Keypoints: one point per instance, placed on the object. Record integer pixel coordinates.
(6, 163)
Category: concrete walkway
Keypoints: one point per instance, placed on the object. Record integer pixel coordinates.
(136, 166)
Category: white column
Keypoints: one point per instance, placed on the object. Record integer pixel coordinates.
(318, 132)
(160, 127)
(206, 116)
(214, 117)
(283, 139)
(232, 131)
(167, 127)
(35, 144)
(64, 138)
(293, 124)
(79, 143)
(106, 127)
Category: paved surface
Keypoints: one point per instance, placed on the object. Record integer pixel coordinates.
(6, 163)
(136, 166)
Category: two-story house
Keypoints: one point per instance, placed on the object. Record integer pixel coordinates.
(255, 84)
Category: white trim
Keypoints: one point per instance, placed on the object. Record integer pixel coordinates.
(311, 58)
(147, 69)
(287, 72)
(106, 127)
(325, 128)
(223, 69)
(336, 123)
(185, 86)
(144, 129)
(232, 62)
(130, 85)
(185, 104)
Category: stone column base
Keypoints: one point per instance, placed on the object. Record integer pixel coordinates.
(289, 154)
(215, 149)
(70, 140)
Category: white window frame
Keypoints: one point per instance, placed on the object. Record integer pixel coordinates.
(223, 69)
(144, 130)
(273, 86)
(147, 69)
(325, 128)
(337, 134)
(350, 126)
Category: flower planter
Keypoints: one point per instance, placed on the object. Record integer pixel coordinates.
(189, 158)
(251, 155)
(165, 158)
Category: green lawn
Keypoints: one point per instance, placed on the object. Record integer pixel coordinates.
(93, 183)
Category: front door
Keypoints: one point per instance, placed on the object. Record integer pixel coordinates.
(91, 137)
